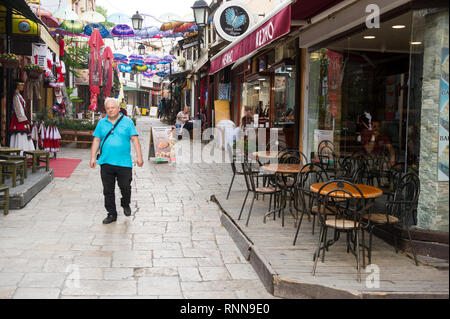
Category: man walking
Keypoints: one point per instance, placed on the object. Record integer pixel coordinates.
(113, 136)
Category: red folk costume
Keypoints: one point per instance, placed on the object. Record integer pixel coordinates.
(20, 126)
(19, 120)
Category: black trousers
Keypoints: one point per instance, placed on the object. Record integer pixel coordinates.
(124, 176)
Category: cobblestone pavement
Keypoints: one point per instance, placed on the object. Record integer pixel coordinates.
(173, 246)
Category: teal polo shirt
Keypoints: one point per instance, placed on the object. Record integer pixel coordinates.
(117, 149)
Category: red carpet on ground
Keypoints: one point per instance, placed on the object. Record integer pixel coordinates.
(63, 167)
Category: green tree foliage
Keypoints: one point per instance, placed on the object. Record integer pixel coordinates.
(76, 58)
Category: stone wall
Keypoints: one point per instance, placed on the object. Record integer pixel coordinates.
(433, 210)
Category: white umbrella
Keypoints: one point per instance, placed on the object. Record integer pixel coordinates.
(66, 14)
(92, 17)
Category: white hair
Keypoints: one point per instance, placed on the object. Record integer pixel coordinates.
(116, 102)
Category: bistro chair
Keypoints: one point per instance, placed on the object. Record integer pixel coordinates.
(348, 219)
(311, 173)
(399, 212)
(232, 155)
(292, 157)
(327, 157)
(250, 181)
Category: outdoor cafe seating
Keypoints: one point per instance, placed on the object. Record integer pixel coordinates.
(341, 194)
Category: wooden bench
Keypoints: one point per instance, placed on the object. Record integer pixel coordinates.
(81, 138)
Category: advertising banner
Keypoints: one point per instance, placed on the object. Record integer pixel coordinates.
(163, 144)
(443, 121)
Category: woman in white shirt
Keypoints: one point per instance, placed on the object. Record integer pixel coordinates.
(182, 118)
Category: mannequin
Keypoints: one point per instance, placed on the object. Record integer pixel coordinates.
(20, 125)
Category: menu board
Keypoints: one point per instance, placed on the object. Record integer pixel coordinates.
(163, 144)
(443, 166)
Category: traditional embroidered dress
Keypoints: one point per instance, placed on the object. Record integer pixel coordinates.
(20, 126)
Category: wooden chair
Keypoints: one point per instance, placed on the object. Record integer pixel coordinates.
(5, 200)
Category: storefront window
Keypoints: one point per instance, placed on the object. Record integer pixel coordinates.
(360, 94)
(284, 89)
(257, 96)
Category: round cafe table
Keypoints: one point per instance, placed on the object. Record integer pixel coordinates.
(283, 168)
(369, 192)
(265, 155)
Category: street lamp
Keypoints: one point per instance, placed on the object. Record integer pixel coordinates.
(137, 21)
(201, 15)
(141, 49)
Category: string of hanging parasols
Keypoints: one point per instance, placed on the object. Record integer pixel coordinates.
(65, 21)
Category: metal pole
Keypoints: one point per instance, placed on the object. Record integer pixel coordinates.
(9, 93)
(198, 71)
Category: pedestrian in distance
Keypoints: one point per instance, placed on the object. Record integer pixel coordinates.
(113, 137)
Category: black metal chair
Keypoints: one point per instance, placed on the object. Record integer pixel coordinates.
(348, 219)
(252, 187)
(399, 211)
(327, 157)
(233, 168)
(311, 173)
(288, 156)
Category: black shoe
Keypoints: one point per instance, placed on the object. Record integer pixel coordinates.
(127, 211)
(110, 219)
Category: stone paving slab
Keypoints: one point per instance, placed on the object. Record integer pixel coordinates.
(173, 246)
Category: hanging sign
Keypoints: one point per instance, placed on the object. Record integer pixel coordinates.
(189, 42)
(232, 20)
(274, 28)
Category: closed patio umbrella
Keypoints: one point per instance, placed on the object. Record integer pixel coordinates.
(95, 67)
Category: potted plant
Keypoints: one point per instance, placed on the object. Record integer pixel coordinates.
(9, 60)
(34, 71)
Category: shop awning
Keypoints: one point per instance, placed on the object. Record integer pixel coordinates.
(274, 26)
(22, 8)
(306, 9)
(277, 24)
(127, 88)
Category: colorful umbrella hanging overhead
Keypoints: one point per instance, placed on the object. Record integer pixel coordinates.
(50, 21)
(140, 68)
(88, 29)
(169, 57)
(184, 27)
(119, 56)
(125, 68)
(122, 31)
(173, 35)
(74, 27)
(92, 17)
(170, 26)
(95, 67)
(147, 33)
(119, 18)
(66, 14)
(136, 57)
(148, 74)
